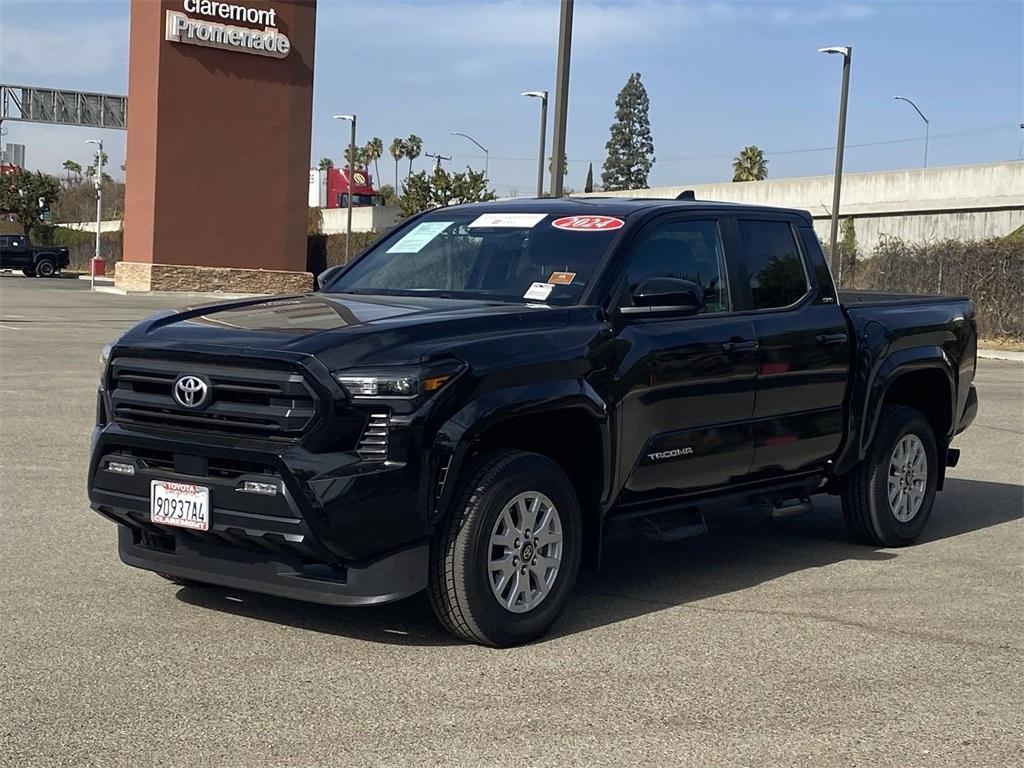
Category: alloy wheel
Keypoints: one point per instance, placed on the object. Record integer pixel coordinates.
(525, 552)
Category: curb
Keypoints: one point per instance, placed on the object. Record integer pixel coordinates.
(104, 279)
(1001, 354)
(63, 275)
(183, 295)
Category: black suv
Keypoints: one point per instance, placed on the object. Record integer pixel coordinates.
(470, 405)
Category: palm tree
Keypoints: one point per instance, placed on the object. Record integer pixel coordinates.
(325, 163)
(358, 160)
(72, 168)
(397, 150)
(750, 165)
(413, 148)
(374, 151)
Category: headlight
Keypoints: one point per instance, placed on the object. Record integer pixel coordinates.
(402, 385)
(105, 357)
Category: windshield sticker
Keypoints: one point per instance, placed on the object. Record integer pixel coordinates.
(562, 278)
(520, 220)
(588, 223)
(421, 234)
(539, 291)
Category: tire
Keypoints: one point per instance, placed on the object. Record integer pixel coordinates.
(46, 268)
(870, 515)
(466, 571)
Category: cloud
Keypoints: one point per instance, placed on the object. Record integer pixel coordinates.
(508, 26)
(84, 50)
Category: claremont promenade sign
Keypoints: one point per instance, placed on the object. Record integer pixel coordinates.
(268, 41)
(219, 146)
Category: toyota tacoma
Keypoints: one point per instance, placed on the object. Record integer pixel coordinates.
(471, 405)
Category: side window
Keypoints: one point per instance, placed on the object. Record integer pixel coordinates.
(777, 277)
(688, 250)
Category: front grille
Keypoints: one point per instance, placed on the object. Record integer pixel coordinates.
(241, 401)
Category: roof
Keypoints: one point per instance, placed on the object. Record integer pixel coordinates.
(621, 207)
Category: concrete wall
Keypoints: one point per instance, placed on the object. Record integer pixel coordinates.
(371, 218)
(113, 225)
(963, 202)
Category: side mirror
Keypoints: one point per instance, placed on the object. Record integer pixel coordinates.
(327, 276)
(667, 294)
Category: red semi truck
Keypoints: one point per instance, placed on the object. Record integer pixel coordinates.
(330, 188)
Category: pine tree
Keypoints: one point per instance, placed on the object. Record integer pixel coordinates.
(588, 186)
(630, 146)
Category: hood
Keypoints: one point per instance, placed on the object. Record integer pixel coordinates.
(343, 329)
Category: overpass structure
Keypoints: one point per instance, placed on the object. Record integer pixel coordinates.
(962, 202)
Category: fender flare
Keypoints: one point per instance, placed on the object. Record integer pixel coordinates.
(454, 441)
(866, 401)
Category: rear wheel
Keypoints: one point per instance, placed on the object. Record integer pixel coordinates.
(46, 268)
(888, 498)
(504, 563)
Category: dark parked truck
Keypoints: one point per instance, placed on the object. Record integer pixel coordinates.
(473, 403)
(17, 252)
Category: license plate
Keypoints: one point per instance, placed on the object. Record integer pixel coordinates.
(180, 504)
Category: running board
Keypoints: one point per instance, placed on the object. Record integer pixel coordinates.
(781, 507)
(671, 525)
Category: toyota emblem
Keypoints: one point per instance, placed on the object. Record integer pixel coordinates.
(191, 391)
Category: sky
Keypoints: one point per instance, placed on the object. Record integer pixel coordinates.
(720, 75)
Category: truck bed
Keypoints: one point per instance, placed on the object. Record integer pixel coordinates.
(853, 298)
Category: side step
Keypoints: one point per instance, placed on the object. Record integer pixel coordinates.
(781, 506)
(671, 525)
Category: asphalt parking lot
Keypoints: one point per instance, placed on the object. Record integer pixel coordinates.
(763, 643)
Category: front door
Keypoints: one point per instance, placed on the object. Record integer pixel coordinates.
(684, 383)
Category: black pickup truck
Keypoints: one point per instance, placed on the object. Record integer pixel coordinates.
(17, 252)
(470, 405)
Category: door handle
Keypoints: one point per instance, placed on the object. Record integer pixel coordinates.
(739, 346)
(831, 338)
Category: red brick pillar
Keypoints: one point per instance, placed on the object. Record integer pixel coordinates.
(220, 99)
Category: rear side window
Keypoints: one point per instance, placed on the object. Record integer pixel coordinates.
(777, 277)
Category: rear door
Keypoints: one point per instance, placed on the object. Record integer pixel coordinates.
(804, 351)
(684, 383)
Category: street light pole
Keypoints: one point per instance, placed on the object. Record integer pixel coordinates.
(351, 172)
(98, 181)
(543, 96)
(847, 54)
(561, 98)
(486, 156)
(926, 124)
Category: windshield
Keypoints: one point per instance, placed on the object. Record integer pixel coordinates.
(514, 257)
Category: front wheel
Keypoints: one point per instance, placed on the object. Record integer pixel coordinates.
(888, 498)
(28, 272)
(504, 563)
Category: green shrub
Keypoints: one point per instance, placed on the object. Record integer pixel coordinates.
(990, 272)
(323, 251)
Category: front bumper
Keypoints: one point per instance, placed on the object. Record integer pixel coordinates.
(340, 530)
(392, 577)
